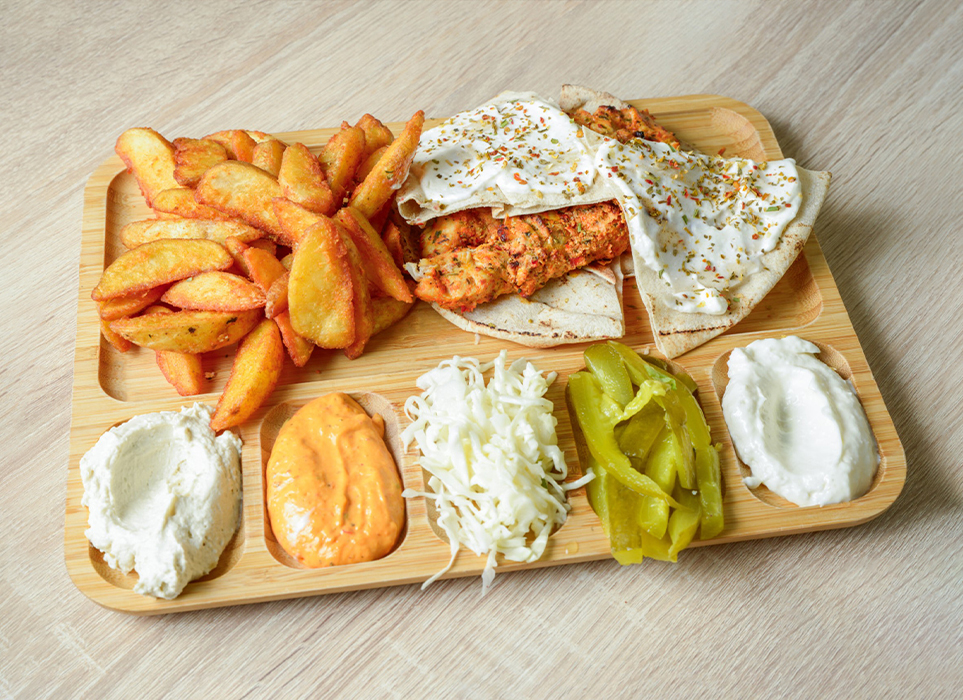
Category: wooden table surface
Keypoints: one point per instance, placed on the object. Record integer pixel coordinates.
(870, 91)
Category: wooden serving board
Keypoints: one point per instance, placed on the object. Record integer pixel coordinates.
(110, 388)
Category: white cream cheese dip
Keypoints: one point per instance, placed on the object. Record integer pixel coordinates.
(797, 424)
(164, 497)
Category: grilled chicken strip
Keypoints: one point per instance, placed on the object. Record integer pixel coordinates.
(470, 258)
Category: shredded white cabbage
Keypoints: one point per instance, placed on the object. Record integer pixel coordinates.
(496, 468)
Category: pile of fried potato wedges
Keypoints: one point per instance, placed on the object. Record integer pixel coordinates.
(213, 268)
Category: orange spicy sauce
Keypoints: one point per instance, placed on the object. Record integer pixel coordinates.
(333, 491)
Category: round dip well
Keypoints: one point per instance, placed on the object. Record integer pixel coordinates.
(163, 495)
(797, 424)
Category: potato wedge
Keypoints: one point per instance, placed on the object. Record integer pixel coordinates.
(341, 157)
(387, 176)
(180, 201)
(387, 312)
(276, 301)
(320, 288)
(378, 264)
(299, 349)
(238, 143)
(150, 157)
(376, 134)
(120, 343)
(192, 332)
(182, 371)
(265, 244)
(236, 247)
(257, 367)
(244, 191)
(119, 307)
(303, 181)
(268, 155)
(363, 314)
(159, 262)
(368, 165)
(215, 291)
(378, 220)
(410, 243)
(288, 261)
(139, 232)
(294, 219)
(263, 268)
(193, 156)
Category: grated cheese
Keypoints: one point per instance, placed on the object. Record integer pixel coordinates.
(493, 456)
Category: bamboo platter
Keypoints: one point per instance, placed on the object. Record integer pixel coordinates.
(110, 388)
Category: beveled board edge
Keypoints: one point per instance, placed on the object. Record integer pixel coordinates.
(258, 577)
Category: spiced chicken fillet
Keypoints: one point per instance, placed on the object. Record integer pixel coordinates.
(470, 258)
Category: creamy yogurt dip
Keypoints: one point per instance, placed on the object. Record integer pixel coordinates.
(797, 424)
(164, 497)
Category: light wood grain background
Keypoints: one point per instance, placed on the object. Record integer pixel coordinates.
(870, 91)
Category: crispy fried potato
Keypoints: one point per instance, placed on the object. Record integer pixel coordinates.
(268, 155)
(119, 307)
(277, 296)
(120, 343)
(320, 288)
(363, 314)
(381, 183)
(391, 235)
(182, 371)
(192, 332)
(341, 158)
(139, 232)
(410, 243)
(244, 191)
(238, 143)
(376, 134)
(180, 201)
(303, 181)
(215, 291)
(294, 219)
(150, 157)
(257, 367)
(378, 220)
(243, 144)
(387, 312)
(258, 136)
(376, 260)
(368, 165)
(299, 349)
(193, 156)
(159, 262)
(265, 244)
(263, 267)
(236, 247)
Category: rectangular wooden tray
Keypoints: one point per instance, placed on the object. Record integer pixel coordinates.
(109, 388)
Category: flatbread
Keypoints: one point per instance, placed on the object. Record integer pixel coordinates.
(573, 97)
(677, 332)
(581, 306)
(417, 208)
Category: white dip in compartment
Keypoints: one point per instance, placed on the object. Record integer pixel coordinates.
(797, 424)
(164, 497)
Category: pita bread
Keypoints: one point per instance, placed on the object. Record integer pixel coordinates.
(581, 306)
(418, 208)
(678, 332)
